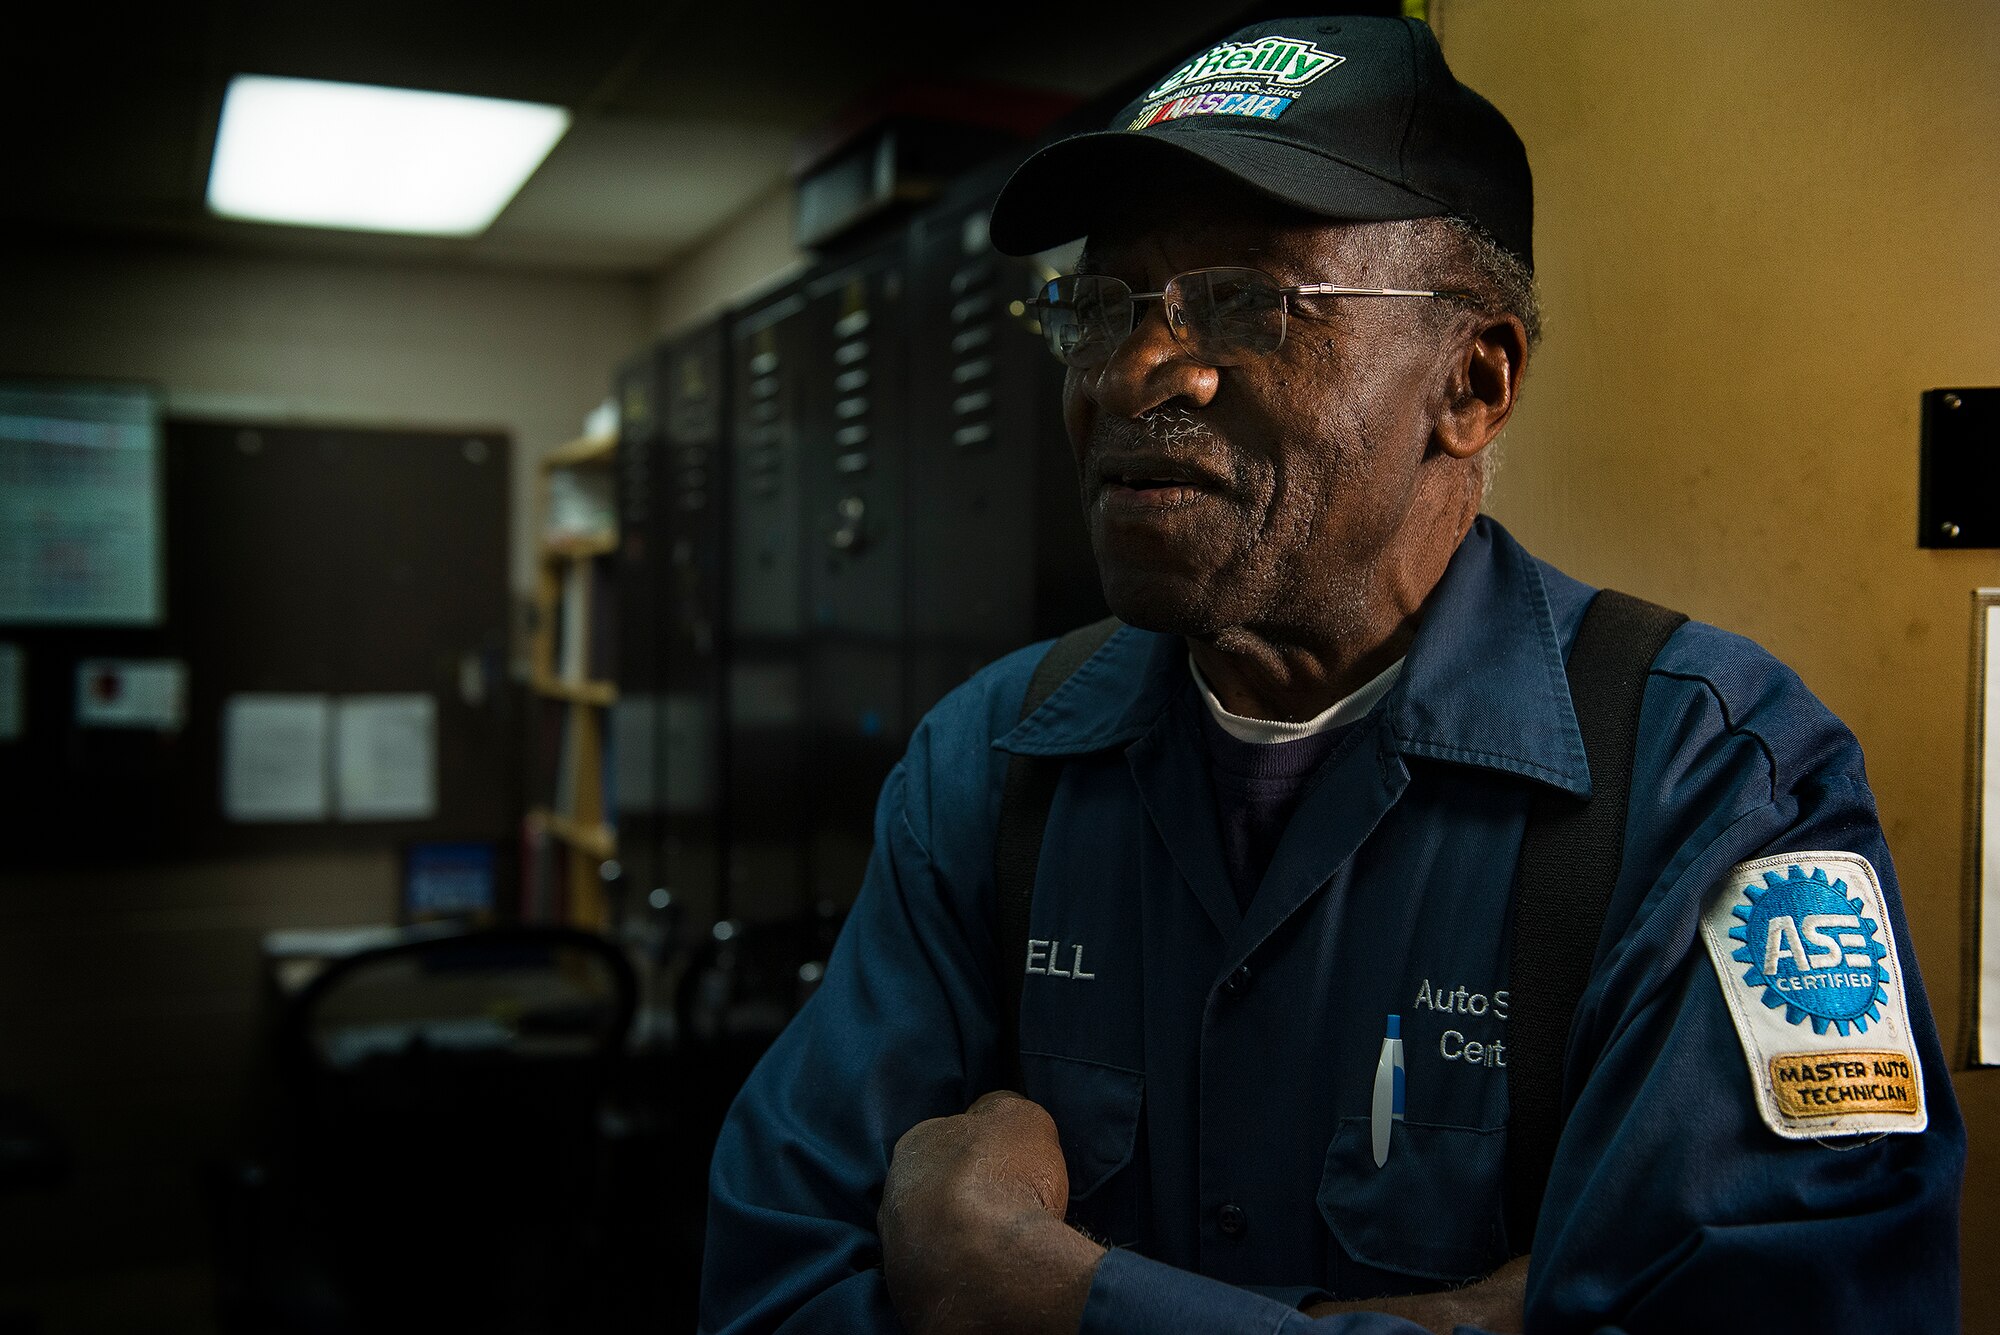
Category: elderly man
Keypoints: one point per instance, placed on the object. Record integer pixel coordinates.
(1296, 900)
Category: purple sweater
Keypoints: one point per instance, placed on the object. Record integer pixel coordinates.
(1257, 787)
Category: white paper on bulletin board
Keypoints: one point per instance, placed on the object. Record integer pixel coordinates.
(1988, 1018)
(385, 757)
(274, 753)
(131, 693)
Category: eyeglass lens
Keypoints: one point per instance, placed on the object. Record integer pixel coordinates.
(1219, 316)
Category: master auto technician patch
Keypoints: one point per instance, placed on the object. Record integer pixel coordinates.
(1803, 949)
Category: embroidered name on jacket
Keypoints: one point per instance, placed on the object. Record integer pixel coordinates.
(1050, 957)
(1803, 950)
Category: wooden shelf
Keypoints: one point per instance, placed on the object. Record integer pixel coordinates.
(576, 522)
(579, 692)
(579, 548)
(600, 841)
(582, 450)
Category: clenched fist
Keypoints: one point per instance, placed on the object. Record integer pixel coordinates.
(973, 1238)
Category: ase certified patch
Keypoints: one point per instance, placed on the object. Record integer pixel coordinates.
(1803, 949)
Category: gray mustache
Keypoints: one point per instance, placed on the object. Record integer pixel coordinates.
(1174, 424)
(1162, 426)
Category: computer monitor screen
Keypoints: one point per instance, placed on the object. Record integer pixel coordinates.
(80, 525)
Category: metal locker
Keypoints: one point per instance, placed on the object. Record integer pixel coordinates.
(852, 548)
(643, 510)
(668, 725)
(998, 555)
(764, 767)
(691, 738)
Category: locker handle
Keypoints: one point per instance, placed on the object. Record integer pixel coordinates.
(848, 536)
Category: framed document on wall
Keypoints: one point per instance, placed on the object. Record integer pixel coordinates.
(1982, 906)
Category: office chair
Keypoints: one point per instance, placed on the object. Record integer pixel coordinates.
(441, 1146)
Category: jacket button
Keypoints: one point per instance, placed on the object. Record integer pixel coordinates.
(1232, 1220)
(1237, 983)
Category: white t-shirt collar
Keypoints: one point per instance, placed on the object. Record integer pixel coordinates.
(1338, 714)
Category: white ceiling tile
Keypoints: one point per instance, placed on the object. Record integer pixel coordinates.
(644, 187)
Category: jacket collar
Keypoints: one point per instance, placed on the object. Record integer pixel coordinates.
(1483, 683)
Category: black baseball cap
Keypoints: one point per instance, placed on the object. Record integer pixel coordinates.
(1350, 118)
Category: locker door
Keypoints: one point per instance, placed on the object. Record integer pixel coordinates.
(639, 666)
(694, 377)
(765, 681)
(853, 552)
(998, 556)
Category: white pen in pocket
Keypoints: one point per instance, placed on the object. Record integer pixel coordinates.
(1388, 1104)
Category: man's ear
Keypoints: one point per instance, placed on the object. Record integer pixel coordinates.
(1481, 384)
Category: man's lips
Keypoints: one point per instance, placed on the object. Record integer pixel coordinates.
(1163, 478)
(1140, 496)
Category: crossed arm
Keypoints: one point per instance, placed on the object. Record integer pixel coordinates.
(1669, 1188)
(974, 1239)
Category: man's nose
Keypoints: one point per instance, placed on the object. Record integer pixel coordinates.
(1149, 370)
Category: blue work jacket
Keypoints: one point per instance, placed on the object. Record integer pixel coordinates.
(1210, 1070)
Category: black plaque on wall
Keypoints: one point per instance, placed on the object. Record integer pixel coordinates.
(1959, 473)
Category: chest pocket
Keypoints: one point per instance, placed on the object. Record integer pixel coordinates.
(1096, 1108)
(1432, 1210)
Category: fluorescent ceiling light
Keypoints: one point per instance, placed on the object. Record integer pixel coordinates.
(373, 159)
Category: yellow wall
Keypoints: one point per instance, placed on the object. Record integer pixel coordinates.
(1762, 231)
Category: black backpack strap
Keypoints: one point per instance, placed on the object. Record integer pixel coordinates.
(1017, 846)
(1569, 865)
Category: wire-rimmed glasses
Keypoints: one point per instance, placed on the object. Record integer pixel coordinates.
(1220, 316)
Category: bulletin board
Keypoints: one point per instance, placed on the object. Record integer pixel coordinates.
(362, 569)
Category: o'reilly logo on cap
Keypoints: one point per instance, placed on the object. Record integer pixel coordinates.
(1289, 62)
